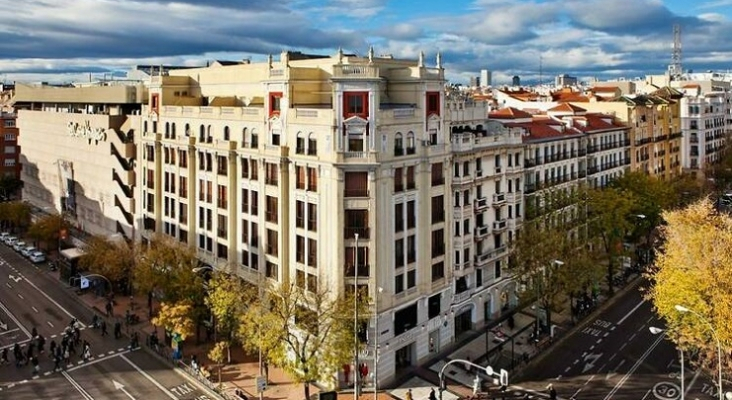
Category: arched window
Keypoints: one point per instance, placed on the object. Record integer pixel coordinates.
(300, 143)
(410, 142)
(244, 137)
(227, 133)
(312, 144)
(188, 130)
(398, 144)
(209, 135)
(255, 139)
(167, 130)
(144, 126)
(172, 130)
(202, 134)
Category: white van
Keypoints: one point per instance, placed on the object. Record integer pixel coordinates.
(19, 245)
(11, 240)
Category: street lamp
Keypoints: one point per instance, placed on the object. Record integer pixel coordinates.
(376, 344)
(683, 309)
(654, 330)
(356, 372)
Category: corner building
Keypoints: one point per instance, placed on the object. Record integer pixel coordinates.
(326, 171)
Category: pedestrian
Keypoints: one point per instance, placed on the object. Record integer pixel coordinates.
(34, 332)
(29, 352)
(409, 395)
(56, 362)
(108, 308)
(4, 357)
(77, 335)
(67, 357)
(552, 392)
(86, 353)
(432, 394)
(36, 367)
(72, 347)
(104, 328)
(41, 341)
(117, 330)
(52, 348)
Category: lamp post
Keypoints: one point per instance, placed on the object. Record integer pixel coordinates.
(539, 288)
(683, 309)
(356, 372)
(376, 344)
(654, 330)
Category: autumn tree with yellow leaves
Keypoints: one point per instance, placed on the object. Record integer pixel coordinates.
(694, 269)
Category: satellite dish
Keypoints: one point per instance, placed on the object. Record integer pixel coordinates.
(247, 100)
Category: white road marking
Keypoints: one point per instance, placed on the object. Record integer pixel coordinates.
(634, 367)
(599, 341)
(630, 339)
(98, 360)
(567, 369)
(150, 378)
(693, 380)
(21, 296)
(34, 309)
(36, 377)
(76, 386)
(22, 328)
(8, 285)
(611, 357)
(623, 346)
(121, 348)
(110, 352)
(10, 331)
(50, 324)
(631, 312)
(81, 324)
(47, 373)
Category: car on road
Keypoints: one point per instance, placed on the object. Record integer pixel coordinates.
(19, 245)
(28, 250)
(4, 235)
(10, 241)
(37, 257)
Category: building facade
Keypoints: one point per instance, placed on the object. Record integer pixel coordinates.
(79, 153)
(704, 123)
(10, 165)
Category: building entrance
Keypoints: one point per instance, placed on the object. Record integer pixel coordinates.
(463, 322)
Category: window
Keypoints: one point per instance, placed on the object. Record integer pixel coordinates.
(253, 170)
(438, 243)
(398, 217)
(222, 199)
(355, 104)
(222, 227)
(411, 215)
(300, 144)
(433, 103)
(398, 180)
(300, 249)
(411, 278)
(312, 145)
(398, 144)
(300, 214)
(411, 249)
(183, 158)
(433, 306)
(245, 201)
(275, 99)
(356, 184)
(356, 222)
(254, 204)
(312, 217)
(155, 102)
(270, 177)
(438, 209)
(312, 252)
(271, 270)
(271, 209)
(9, 123)
(255, 139)
(272, 244)
(437, 175)
(227, 133)
(300, 278)
(399, 253)
(398, 283)
(312, 179)
(222, 164)
(244, 168)
(299, 177)
(410, 178)
(183, 213)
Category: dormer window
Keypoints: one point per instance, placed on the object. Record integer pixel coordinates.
(275, 99)
(356, 104)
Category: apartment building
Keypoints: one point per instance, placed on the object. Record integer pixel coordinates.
(704, 123)
(326, 171)
(78, 152)
(10, 157)
(487, 202)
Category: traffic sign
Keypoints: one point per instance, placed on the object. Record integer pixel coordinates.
(84, 283)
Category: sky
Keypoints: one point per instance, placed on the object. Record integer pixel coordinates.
(66, 41)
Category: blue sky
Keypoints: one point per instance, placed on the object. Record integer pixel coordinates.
(58, 40)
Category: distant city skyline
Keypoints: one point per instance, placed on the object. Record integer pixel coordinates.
(68, 41)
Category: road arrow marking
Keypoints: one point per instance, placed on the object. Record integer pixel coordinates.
(14, 279)
(590, 360)
(119, 386)
(3, 325)
(614, 372)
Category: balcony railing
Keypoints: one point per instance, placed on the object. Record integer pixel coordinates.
(460, 297)
(500, 225)
(481, 232)
(481, 203)
(490, 255)
(499, 199)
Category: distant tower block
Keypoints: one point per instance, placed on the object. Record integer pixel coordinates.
(674, 69)
(516, 80)
(485, 77)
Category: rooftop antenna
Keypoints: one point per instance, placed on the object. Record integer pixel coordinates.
(674, 69)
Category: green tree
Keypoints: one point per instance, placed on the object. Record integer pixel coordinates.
(317, 344)
(687, 189)
(694, 269)
(176, 318)
(15, 215)
(113, 259)
(47, 230)
(610, 219)
(650, 196)
(227, 298)
(217, 354)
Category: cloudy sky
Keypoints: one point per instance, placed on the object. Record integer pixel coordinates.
(56, 40)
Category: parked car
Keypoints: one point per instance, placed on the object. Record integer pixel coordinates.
(37, 257)
(19, 245)
(4, 235)
(28, 250)
(10, 241)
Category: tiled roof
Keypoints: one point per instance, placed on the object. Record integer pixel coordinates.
(509, 113)
(544, 128)
(566, 107)
(596, 122)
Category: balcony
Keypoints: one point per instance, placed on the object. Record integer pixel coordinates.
(513, 197)
(481, 232)
(490, 255)
(463, 266)
(499, 199)
(350, 232)
(481, 204)
(458, 298)
(462, 180)
(355, 71)
(500, 226)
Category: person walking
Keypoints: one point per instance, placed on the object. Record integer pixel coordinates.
(4, 357)
(432, 394)
(552, 392)
(67, 357)
(36, 367)
(117, 330)
(86, 353)
(108, 308)
(41, 341)
(104, 328)
(56, 362)
(52, 348)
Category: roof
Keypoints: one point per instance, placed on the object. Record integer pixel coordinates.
(509, 113)
(594, 122)
(566, 107)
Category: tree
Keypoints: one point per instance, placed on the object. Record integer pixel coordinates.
(694, 269)
(15, 214)
(687, 189)
(176, 318)
(113, 259)
(320, 340)
(551, 264)
(9, 186)
(227, 298)
(47, 230)
(609, 220)
(217, 354)
(260, 330)
(650, 196)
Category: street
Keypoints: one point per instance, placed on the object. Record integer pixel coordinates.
(32, 298)
(615, 356)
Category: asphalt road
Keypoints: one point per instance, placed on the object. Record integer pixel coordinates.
(615, 356)
(30, 298)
